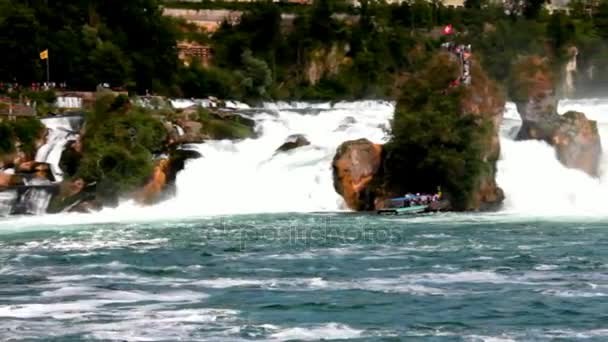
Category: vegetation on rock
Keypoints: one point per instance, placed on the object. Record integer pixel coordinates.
(438, 141)
(22, 133)
(118, 147)
(231, 126)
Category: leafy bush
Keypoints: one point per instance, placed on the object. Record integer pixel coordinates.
(119, 143)
(7, 138)
(26, 131)
(215, 127)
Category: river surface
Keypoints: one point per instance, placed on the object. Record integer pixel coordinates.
(277, 277)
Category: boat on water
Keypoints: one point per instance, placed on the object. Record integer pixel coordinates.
(414, 209)
(407, 205)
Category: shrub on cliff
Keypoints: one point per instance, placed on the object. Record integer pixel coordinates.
(23, 131)
(7, 144)
(118, 147)
(232, 126)
(530, 77)
(435, 144)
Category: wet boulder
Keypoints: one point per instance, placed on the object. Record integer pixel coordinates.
(575, 138)
(292, 142)
(71, 194)
(355, 165)
(161, 183)
(71, 157)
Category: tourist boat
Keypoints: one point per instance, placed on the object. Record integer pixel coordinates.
(401, 206)
(414, 209)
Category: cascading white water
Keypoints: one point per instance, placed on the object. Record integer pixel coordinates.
(251, 176)
(535, 182)
(7, 201)
(61, 130)
(36, 199)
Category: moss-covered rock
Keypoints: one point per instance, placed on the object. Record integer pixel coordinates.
(442, 137)
(219, 125)
(24, 136)
(118, 145)
(73, 196)
(70, 158)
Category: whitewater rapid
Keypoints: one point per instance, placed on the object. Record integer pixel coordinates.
(250, 176)
(536, 183)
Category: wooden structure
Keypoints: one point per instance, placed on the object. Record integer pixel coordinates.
(190, 52)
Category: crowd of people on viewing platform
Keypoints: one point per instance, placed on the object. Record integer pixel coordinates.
(35, 86)
(463, 54)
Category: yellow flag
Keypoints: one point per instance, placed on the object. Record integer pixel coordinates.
(44, 54)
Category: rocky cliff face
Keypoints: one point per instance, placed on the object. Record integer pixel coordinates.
(429, 147)
(162, 181)
(325, 61)
(355, 165)
(483, 99)
(574, 137)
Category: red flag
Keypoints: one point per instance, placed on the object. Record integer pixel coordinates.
(448, 29)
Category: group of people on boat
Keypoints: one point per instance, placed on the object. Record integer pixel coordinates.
(411, 199)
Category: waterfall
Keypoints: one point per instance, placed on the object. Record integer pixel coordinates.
(36, 197)
(7, 201)
(179, 130)
(61, 130)
(249, 176)
(535, 182)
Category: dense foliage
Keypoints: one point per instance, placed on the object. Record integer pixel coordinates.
(434, 144)
(118, 147)
(25, 132)
(123, 43)
(329, 50)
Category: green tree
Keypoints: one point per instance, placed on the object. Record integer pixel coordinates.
(256, 76)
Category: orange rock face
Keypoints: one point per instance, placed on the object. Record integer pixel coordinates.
(152, 191)
(8, 179)
(355, 165)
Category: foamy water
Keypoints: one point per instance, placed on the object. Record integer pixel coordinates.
(305, 277)
(536, 183)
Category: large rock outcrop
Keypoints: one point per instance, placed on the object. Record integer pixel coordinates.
(486, 102)
(355, 165)
(442, 136)
(575, 138)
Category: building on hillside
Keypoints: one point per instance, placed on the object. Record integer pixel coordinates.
(209, 19)
(454, 3)
(69, 101)
(190, 52)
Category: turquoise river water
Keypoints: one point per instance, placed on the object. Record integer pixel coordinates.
(441, 277)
